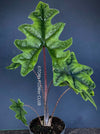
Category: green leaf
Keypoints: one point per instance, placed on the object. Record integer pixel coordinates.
(40, 33)
(76, 76)
(18, 108)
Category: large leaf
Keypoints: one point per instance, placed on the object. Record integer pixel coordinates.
(76, 76)
(40, 33)
(18, 108)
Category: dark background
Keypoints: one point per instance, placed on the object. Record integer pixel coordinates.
(82, 18)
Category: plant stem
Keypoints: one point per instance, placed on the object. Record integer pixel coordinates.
(33, 109)
(50, 85)
(46, 114)
(58, 102)
(45, 73)
(40, 83)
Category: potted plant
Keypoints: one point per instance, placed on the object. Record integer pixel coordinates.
(66, 69)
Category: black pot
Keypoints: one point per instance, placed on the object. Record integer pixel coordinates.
(57, 126)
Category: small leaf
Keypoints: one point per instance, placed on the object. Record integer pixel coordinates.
(76, 76)
(18, 108)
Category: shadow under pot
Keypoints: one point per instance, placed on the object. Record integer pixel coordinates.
(57, 126)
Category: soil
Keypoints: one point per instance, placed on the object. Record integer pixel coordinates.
(56, 127)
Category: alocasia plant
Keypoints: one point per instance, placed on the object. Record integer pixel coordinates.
(66, 69)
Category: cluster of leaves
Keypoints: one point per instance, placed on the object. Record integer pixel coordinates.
(66, 69)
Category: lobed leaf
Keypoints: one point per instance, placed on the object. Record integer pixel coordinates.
(39, 34)
(76, 76)
(18, 108)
